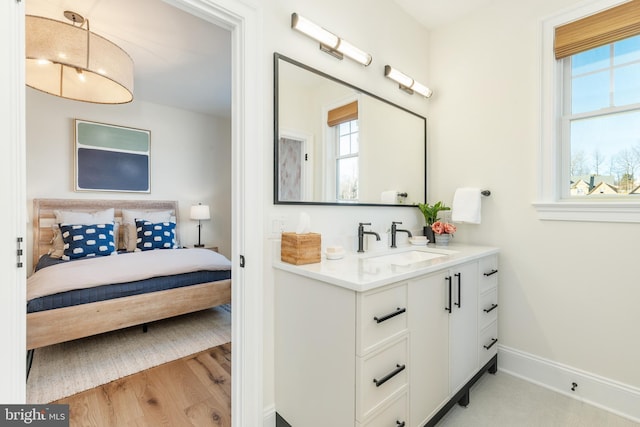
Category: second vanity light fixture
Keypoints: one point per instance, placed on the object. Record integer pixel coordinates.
(329, 42)
(407, 83)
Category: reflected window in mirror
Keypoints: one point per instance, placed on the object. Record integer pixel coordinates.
(338, 144)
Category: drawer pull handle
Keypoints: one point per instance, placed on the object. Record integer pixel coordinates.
(491, 273)
(399, 368)
(490, 309)
(389, 316)
(493, 341)
(400, 423)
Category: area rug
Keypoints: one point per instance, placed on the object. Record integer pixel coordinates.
(65, 369)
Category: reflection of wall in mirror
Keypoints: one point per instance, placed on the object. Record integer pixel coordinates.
(397, 159)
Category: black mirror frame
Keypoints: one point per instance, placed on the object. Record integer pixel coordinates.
(276, 132)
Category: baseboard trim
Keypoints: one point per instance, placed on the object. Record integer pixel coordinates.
(269, 413)
(618, 398)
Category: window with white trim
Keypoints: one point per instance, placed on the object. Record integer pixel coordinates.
(601, 120)
(590, 146)
(347, 149)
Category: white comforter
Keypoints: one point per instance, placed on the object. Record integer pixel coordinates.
(121, 268)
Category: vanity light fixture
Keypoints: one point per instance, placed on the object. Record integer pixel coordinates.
(70, 61)
(329, 42)
(406, 83)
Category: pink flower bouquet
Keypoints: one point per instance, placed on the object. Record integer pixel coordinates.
(440, 227)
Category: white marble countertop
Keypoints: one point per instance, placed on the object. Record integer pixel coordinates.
(364, 272)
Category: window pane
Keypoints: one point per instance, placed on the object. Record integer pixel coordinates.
(627, 85)
(627, 50)
(347, 185)
(591, 60)
(345, 145)
(590, 92)
(344, 128)
(355, 143)
(607, 147)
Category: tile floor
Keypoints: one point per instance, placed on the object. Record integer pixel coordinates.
(503, 400)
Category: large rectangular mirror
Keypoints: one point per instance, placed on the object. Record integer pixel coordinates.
(338, 144)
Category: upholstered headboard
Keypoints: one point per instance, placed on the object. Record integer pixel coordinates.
(44, 218)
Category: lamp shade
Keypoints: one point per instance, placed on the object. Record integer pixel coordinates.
(72, 62)
(200, 212)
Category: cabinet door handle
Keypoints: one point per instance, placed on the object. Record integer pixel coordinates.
(493, 341)
(399, 423)
(491, 273)
(490, 309)
(399, 368)
(459, 276)
(448, 279)
(390, 315)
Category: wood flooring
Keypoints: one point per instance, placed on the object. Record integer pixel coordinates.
(192, 391)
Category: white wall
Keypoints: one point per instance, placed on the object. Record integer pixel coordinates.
(190, 158)
(568, 290)
(380, 28)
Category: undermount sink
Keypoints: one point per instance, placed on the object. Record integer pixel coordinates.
(406, 258)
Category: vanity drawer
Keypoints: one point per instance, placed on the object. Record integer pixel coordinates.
(393, 415)
(382, 316)
(488, 273)
(488, 343)
(488, 308)
(381, 376)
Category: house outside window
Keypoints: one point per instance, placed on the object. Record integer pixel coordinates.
(590, 139)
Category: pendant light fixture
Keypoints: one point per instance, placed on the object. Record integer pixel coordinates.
(70, 61)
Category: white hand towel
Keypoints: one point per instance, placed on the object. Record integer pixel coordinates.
(466, 205)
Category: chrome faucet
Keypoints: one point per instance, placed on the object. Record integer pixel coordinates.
(394, 230)
(361, 234)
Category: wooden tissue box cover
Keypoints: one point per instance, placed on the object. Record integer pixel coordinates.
(300, 248)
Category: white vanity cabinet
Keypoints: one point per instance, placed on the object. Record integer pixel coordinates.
(341, 356)
(398, 353)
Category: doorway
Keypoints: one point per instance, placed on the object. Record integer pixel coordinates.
(243, 21)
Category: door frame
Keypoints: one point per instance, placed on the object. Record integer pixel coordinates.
(244, 20)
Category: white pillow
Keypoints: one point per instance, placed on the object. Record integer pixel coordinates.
(84, 218)
(129, 217)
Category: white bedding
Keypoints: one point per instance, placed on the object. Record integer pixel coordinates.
(127, 267)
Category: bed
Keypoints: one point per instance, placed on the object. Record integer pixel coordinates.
(122, 303)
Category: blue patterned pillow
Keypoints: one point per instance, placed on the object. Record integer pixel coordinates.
(161, 235)
(82, 241)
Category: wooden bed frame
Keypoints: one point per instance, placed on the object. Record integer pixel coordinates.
(69, 323)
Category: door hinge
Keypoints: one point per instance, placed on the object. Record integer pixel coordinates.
(306, 157)
(242, 261)
(19, 252)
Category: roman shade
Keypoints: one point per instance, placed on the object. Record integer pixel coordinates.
(343, 114)
(603, 28)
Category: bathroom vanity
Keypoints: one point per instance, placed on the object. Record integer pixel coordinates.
(384, 340)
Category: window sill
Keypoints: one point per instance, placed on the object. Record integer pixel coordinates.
(589, 211)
